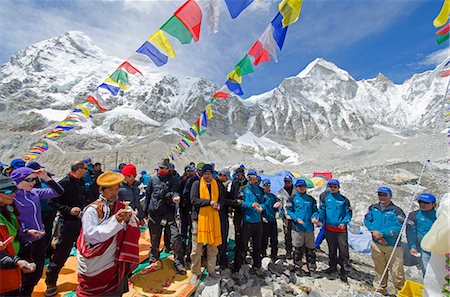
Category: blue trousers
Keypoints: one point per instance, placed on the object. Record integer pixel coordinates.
(320, 237)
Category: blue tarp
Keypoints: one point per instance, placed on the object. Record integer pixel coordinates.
(277, 180)
(360, 242)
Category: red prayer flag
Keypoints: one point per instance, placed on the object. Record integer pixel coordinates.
(220, 95)
(190, 15)
(94, 101)
(259, 53)
(443, 30)
(445, 73)
(129, 68)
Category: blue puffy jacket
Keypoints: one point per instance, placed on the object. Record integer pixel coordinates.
(303, 207)
(269, 212)
(419, 223)
(252, 193)
(335, 209)
(388, 221)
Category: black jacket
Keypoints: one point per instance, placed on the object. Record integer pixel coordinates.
(186, 198)
(8, 261)
(158, 198)
(74, 196)
(131, 193)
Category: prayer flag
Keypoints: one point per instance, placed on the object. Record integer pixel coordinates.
(152, 53)
(212, 12)
(235, 7)
(42, 144)
(94, 101)
(279, 32)
(112, 89)
(31, 156)
(177, 29)
(445, 73)
(259, 53)
(190, 15)
(84, 110)
(204, 120)
(194, 130)
(442, 38)
(290, 9)
(37, 148)
(185, 143)
(36, 152)
(244, 66)
(268, 42)
(65, 128)
(190, 137)
(442, 17)
(234, 76)
(120, 77)
(234, 87)
(111, 81)
(129, 68)
(208, 110)
(222, 95)
(160, 40)
(182, 146)
(443, 30)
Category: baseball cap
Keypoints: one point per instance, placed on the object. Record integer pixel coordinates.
(251, 172)
(300, 183)
(332, 182)
(385, 190)
(17, 163)
(426, 197)
(266, 182)
(34, 165)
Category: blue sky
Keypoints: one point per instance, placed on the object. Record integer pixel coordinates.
(364, 37)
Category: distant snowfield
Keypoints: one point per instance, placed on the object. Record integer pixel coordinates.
(52, 114)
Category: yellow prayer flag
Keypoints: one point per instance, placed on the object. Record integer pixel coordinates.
(86, 112)
(110, 81)
(51, 135)
(31, 156)
(234, 76)
(159, 38)
(208, 111)
(290, 10)
(442, 17)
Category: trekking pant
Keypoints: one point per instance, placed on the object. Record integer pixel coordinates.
(287, 229)
(69, 232)
(175, 240)
(303, 242)
(224, 227)
(196, 255)
(186, 231)
(320, 237)
(338, 240)
(380, 257)
(249, 231)
(32, 252)
(270, 231)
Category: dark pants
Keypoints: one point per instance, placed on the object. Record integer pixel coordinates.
(48, 217)
(32, 252)
(175, 240)
(310, 257)
(249, 231)
(270, 231)
(320, 237)
(14, 293)
(287, 229)
(70, 229)
(186, 233)
(337, 241)
(224, 226)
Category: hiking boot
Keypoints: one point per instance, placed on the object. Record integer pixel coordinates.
(343, 276)
(51, 291)
(330, 270)
(180, 269)
(289, 255)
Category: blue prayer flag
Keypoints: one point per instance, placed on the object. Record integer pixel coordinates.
(235, 7)
(279, 33)
(153, 54)
(234, 87)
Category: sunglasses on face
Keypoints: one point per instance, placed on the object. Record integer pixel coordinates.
(31, 179)
(382, 194)
(163, 168)
(8, 191)
(334, 187)
(423, 202)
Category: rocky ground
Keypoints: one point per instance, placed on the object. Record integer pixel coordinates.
(283, 279)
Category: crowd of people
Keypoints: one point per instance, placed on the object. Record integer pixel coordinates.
(101, 212)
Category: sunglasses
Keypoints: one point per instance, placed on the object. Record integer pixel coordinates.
(8, 191)
(382, 194)
(31, 179)
(420, 202)
(266, 185)
(163, 168)
(333, 186)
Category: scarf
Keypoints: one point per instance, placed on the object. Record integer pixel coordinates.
(208, 217)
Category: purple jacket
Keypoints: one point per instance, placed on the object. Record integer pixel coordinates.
(30, 208)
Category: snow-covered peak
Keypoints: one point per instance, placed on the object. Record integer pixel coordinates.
(321, 67)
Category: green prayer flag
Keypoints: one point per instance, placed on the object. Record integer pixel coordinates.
(177, 29)
(442, 38)
(120, 77)
(244, 66)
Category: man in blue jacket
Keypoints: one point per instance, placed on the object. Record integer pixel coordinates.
(304, 214)
(270, 222)
(252, 227)
(419, 223)
(384, 220)
(335, 211)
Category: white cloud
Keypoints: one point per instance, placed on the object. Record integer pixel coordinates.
(437, 57)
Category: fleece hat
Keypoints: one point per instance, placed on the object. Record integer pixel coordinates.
(300, 183)
(200, 165)
(6, 182)
(129, 170)
(34, 165)
(21, 173)
(207, 168)
(333, 182)
(164, 163)
(17, 163)
(385, 190)
(110, 179)
(225, 172)
(426, 197)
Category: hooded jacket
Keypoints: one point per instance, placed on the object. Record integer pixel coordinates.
(158, 198)
(387, 221)
(303, 207)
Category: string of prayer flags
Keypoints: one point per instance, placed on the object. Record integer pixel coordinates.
(175, 28)
(290, 10)
(442, 17)
(129, 68)
(279, 32)
(159, 38)
(190, 15)
(235, 7)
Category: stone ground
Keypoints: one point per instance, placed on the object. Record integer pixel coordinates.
(282, 279)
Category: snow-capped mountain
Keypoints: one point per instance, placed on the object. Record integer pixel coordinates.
(42, 83)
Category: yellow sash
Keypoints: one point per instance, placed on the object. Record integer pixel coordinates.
(208, 218)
